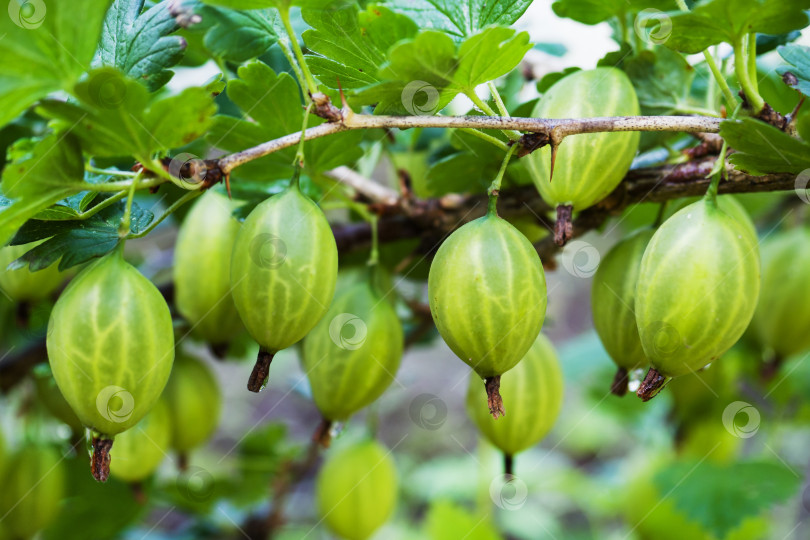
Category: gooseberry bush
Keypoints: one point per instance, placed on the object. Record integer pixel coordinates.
(329, 203)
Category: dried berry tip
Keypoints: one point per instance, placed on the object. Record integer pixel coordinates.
(651, 385)
(620, 382)
(494, 401)
(508, 465)
(182, 461)
(100, 459)
(564, 227)
(261, 371)
(322, 435)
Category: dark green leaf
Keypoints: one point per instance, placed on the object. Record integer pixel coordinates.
(762, 148)
(114, 117)
(54, 163)
(716, 21)
(76, 242)
(596, 11)
(273, 102)
(720, 497)
(351, 44)
(461, 19)
(139, 45)
(45, 50)
(238, 36)
(767, 43)
(798, 56)
(662, 79)
(246, 4)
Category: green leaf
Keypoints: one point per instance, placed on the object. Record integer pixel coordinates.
(425, 73)
(238, 36)
(46, 50)
(716, 21)
(245, 4)
(79, 241)
(139, 45)
(69, 208)
(114, 117)
(596, 11)
(761, 148)
(720, 497)
(662, 79)
(55, 163)
(273, 102)
(351, 45)
(447, 520)
(461, 19)
(798, 56)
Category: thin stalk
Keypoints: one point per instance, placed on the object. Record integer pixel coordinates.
(513, 135)
(288, 54)
(659, 218)
(495, 187)
(374, 256)
(190, 196)
(309, 80)
(718, 171)
(123, 228)
(741, 69)
(752, 60)
(110, 172)
(493, 90)
(108, 187)
(485, 137)
(299, 154)
(109, 201)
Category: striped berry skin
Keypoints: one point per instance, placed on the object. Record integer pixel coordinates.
(782, 318)
(487, 295)
(202, 268)
(139, 451)
(532, 393)
(111, 345)
(613, 297)
(589, 166)
(697, 289)
(356, 490)
(194, 402)
(22, 285)
(283, 269)
(352, 355)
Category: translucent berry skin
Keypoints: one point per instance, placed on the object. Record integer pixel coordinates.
(202, 269)
(194, 402)
(697, 290)
(356, 490)
(487, 294)
(111, 345)
(283, 269)
(532, 393)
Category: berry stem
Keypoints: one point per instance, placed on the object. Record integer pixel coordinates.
(564, 226)
(261, 370)
(494, 400)
(100, 458)
(741, 67)
(322, 434)
(620, 382)
(508, 465)
(495, 187)
(651, 385)
(299, 155)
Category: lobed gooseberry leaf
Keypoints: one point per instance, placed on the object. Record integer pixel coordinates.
(461, 19)
(139, 44)
(719, 497)
(762, 148)
(114, 116)
(662, 79)
(596, 11)
(78, 241)
(711, 22)
(273, 102)
(45, 50)
(798, 56)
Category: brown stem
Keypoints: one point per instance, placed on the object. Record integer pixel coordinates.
(494, 401)
(771, 367)
(138, 492)
(261, 371)
(182, 461)
(651, 385)
(219, 350)
(100, 458)
(322, 434)
(620, 382)
(508, 465)
(564, 227)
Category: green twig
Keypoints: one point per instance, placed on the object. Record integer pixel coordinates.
(374, 256)
(288, 54)
(512, 134)
(190, 196)
(109, 172)
(741, 68)
(108, 187)
(123, 228)
(309, 80)
(299, 154)
(752, 60)
(718, 172)
(485, 137)
(495, 187)
(109, 201)
(493, 90)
